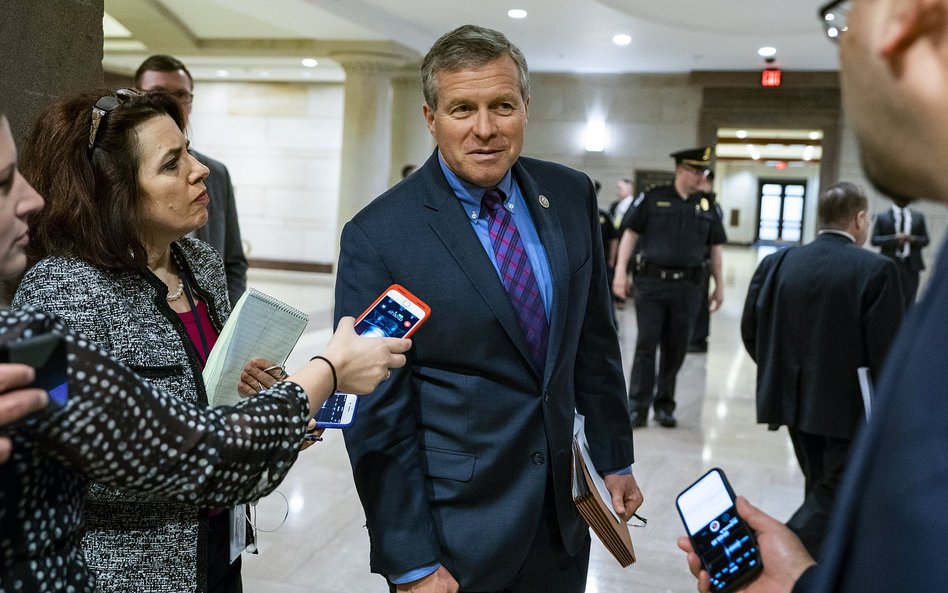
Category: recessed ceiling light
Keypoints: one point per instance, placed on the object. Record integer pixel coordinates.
(310, 62)
(767, 52)
(517, 13)
(814, 135)
(223, 73)
(741, 134)
(264, 74)
(622, 39)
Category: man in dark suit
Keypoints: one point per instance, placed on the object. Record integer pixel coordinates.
(462, 459)
(900, 234)
(813, 316)
(160, 73)
(890, 519)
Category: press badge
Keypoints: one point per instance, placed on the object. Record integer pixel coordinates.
(238, 531)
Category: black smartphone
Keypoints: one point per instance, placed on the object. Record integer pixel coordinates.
(723, 541)
(47, 354)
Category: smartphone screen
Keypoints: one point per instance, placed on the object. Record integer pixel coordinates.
(337, 411)
(394, 315)
(721, 539)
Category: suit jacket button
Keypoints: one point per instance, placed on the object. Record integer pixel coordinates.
(546, 396)
(538, 459)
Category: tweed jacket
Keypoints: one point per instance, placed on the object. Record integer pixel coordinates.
(138, 541)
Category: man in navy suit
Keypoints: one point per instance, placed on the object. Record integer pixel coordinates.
(890, 520)
(462, 459)
(806, 372)
(900, 233)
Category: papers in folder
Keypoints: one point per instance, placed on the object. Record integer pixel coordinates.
(260, 326)
(594, 501)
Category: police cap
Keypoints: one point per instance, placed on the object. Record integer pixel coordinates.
(695, 157)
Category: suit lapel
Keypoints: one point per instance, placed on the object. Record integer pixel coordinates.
(449, 222)
(547, 223)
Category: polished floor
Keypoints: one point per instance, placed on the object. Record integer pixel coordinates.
(321, 546)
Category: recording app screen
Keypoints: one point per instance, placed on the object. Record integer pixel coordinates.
(720, 538)
(386, 319)
(332, 408)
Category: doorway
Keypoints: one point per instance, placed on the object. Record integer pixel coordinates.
(781, 204)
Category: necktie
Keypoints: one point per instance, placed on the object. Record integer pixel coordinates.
(517, 275)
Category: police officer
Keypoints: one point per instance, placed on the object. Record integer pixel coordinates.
(675, 224)
(699, 336)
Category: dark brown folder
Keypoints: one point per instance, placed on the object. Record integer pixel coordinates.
(613, 533)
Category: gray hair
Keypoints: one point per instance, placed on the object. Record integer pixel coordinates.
(469, 46)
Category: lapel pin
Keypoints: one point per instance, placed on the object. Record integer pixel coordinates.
(544, 202)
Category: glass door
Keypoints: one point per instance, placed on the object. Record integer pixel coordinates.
(781, 205)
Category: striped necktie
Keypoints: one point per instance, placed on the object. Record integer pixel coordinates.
(517, 275)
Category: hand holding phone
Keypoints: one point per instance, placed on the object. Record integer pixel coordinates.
(721, 539)
(397, 313)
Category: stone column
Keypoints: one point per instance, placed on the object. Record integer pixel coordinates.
(411, 141)
(50, 48)
(366, 130)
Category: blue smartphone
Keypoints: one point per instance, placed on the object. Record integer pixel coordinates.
(397, 313)
(47, 354)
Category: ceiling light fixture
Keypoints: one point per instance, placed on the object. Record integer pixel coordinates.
(622, 39)
(517, 13)
(767, 52)
(310, 62)
(223, 73)
(814, 135)
(741, 134)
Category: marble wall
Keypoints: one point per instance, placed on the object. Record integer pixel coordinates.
(282, 143)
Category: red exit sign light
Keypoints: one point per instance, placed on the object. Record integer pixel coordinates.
(770, 77)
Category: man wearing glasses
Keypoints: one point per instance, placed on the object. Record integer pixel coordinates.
(160, 73)
(889, 525)
(672, 228)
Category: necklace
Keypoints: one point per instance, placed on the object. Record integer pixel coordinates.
(176, 294)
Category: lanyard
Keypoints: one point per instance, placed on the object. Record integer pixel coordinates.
(194, 312)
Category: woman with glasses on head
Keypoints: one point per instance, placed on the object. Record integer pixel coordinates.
(114, 262)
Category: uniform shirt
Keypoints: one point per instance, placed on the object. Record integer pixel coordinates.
(609, 232)
(675, 233)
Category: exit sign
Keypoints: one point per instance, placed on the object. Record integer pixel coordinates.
(770, 77)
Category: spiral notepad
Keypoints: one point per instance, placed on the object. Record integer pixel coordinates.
(260, 326)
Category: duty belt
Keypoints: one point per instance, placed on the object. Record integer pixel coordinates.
(673, 274)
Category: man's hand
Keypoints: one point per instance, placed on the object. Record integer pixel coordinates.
(620, 284)
(783, 556)
(717, 298)
(16, 403)
(626, 496)
(440, 581)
